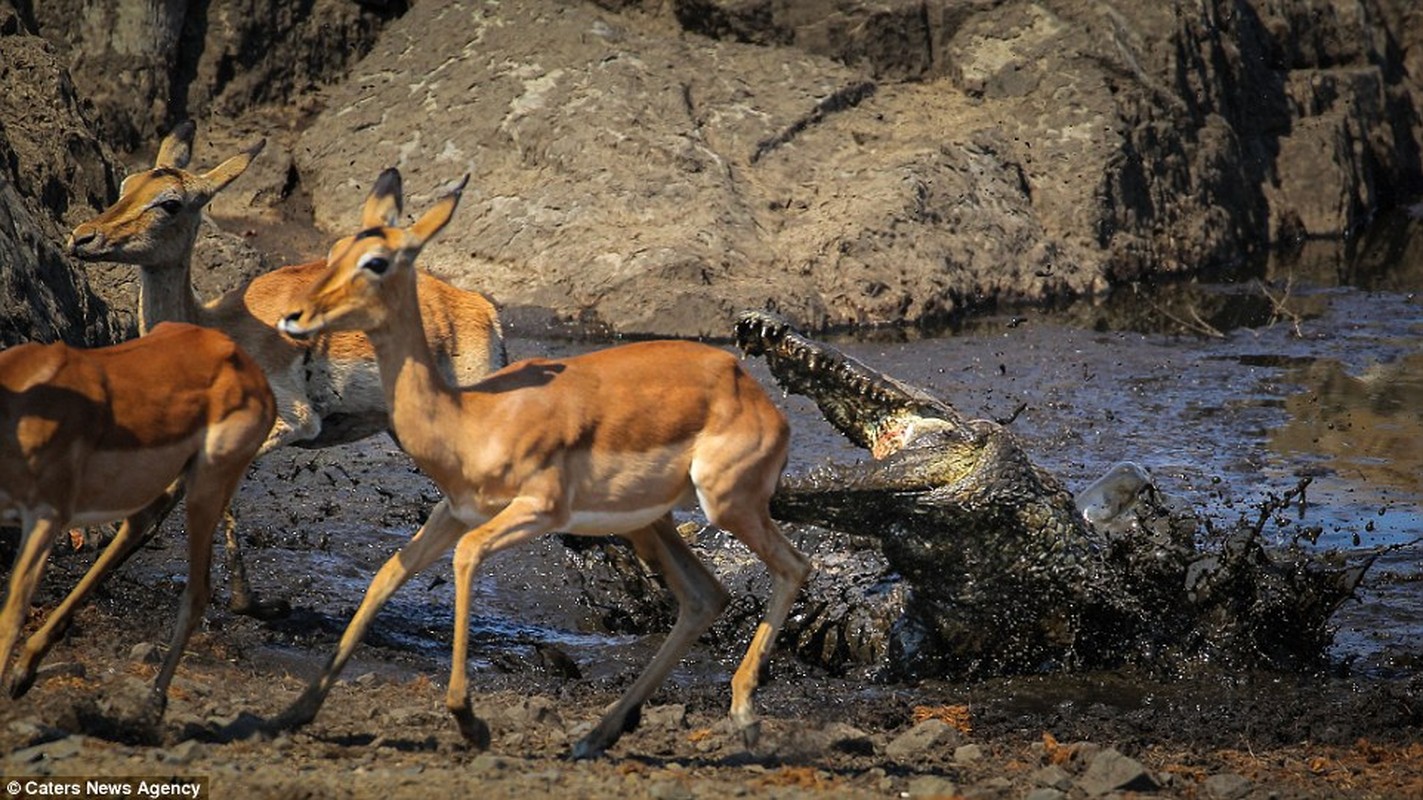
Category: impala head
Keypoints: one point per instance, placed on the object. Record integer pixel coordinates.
(155, 220)
(367, 271)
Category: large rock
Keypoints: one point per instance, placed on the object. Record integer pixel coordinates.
(52, 170)
(855, 163)
(56, 173)
(147, 64)
(656, 166)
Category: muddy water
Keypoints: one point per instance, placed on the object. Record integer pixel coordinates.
(1226, 391)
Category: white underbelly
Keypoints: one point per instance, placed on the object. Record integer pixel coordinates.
(586, 523)
(14, 516)
(603, 522)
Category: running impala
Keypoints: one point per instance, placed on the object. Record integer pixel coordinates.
(328, 388)
(95, 436)
(606, 442)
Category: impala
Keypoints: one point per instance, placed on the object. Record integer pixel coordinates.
(606, 442)
(96, 436)
(328, 389)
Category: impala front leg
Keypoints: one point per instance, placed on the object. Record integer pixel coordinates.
(40, 531)
(130, 536)
(521, 520)
(242, 599)
(436, 536)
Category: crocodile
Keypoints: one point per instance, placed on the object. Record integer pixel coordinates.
(992, 566)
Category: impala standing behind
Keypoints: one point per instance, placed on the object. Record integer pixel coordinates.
(328, 388)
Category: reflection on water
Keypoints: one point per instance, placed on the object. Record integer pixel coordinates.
(1367, 427)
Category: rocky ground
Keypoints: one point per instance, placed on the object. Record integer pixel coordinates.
(384, 733)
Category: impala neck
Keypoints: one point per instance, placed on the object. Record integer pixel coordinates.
(415, 391)
(165, 293)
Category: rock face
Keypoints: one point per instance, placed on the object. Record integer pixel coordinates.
(55, 173)
(51, 169)
(144, 65)
(868, 163)
(656, 167)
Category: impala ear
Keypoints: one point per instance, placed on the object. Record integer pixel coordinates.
(386, 201)
(434, 220)
(177, 147)
(216, 179)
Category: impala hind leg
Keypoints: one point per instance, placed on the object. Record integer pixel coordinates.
(146, 522)
(243, 600)
(436, 536)
(210, 489)
(700, 599)
(125, 542)
(789, 569)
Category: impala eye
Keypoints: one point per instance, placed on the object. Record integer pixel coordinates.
(376, 265)
(171, 206)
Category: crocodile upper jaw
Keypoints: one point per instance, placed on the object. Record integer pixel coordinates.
(871, 409)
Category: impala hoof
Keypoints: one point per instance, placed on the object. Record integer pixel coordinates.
(472, 728)
(751, 734)
(264, 610)
(587, 748)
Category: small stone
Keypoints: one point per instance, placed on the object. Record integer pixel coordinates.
(367, 679)
(490, 763)
(1111, 771)
(145, 653)
(989, 790)
(672, 717)
(181, 753)
(409, 717)
(533, 710)
(929, 735)
(1082, 754)
(57, 750)
(1053, 777)
(60, 669)
(669, 790)
(1228, 786)
(848, 739)
(967, 754)
(1045, 793)
(187, 686)
(34, 732)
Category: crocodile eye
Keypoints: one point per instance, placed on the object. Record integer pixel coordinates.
(376, 265)
(171, 206)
